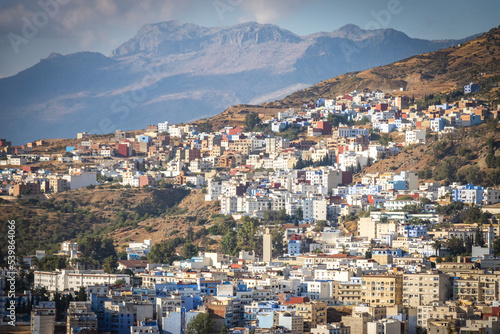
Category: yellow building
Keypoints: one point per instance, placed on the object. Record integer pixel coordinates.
(382, 290)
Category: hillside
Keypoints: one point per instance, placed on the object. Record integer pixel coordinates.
(192, 211)
(438, 72)
(110, 210)
(458, 157)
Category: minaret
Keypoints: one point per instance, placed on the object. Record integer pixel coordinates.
(267, 247)
(490, 236)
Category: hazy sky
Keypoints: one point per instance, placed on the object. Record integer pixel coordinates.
(32, 29)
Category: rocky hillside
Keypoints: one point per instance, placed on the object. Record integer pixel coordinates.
(464, 156)
(113, 210)
(438, 72)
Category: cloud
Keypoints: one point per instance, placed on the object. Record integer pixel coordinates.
(78, 20)
(264, 11)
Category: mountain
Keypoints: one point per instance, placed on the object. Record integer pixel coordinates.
(181, 72)
(441, 72)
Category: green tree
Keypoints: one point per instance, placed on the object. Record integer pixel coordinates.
(95, 249)
(479, 238)
(189, 250)
(229, 242)
(335, 120)
(51, 263)
(447, 169)
(189, 234)
(436, 245)
(251, 121)
(278, 241)
(201, 324)
(385, 139)
(110, 264)
(496, 246)
(246, 234)
(420, 330)
(320, 225)
(223, 329)
(122, 255)
(472, 215)
(473, 175)
(299, 214)
(163, 252)
(456, 246)
(206, 127)
(82, 294)
(468, 245)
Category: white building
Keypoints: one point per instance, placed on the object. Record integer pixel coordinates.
(70, 248)
(67, 279)
(177, 132)
(415, 137)
(163, 127)
(78, 178)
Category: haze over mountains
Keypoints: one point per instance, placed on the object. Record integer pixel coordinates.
(181, 72)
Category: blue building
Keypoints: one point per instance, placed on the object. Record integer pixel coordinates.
(468, 194)
(437, 124)
(118, 318)
(395, 252)
(294, 246)
(97, 305)
(320, 102)
(398, 185)
(144, 139)
(471, 88)
(209, 287)
(416, 231)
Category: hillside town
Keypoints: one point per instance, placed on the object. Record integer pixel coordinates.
(358, 252)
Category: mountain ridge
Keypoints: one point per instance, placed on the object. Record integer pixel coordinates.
(156, 78)
(437, 72)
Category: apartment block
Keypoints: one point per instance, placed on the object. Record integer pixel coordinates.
(313, 313)
(81, 317)
(381, 290)
(424, 288)
(43, 317)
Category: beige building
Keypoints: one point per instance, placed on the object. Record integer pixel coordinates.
(383, 326)
(372, 229)
(424, 288)
(357, 322)
(349, 292)
(382, 290)
(313, 313)
(376, 312)
(476, 286)
(337, 328)
(438, 312)
(58, 184)
(290, 321)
